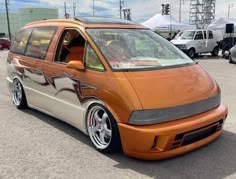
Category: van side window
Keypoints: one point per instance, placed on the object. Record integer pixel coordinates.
(91, 60)
(210, 35)
(199, 35)
(20, 41)
(71, 47)
(39, 42)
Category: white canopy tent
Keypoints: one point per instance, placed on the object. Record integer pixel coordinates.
(159, 21)
(219, 24)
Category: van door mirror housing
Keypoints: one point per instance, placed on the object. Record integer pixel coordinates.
(77, 65)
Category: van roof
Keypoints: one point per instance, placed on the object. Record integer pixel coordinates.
(91, 22)
(103, 20)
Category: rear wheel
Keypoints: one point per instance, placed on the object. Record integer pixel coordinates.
(102, 129)
(215, 52)
(18, 95)
(191, 52)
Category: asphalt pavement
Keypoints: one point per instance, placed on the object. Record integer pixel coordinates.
(36, 146)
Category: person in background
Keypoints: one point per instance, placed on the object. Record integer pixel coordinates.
(169, 37)
(174, 35)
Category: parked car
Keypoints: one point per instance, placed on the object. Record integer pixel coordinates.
(232, 55)
(5, 43)
(118, 82)
(193, 42)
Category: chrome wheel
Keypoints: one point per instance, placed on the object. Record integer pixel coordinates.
(17, 92)
(99, 127)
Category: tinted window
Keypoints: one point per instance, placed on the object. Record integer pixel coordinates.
(92, 61)
(20, 41)
(199, 35)
(210, 35)
(39, 42)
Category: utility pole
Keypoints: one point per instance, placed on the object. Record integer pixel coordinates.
(8, 22)
(120, 9)
(93, 9)
(65, 7)
(67, 16)
(74, 7)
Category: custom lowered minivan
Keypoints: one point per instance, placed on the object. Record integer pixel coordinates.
(118, 82)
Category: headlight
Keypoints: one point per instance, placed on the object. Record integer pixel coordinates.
(155, 116)
(181, 47)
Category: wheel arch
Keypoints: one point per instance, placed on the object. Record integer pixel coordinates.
(89, 104)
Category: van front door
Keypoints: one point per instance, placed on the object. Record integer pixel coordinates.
(200, 42)
(63, 85)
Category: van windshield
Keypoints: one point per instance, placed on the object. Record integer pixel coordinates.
(132, 49)
(188, 35)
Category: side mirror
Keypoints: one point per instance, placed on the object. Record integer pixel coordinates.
(77, 65)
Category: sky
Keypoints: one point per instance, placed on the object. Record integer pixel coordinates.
(141, 10)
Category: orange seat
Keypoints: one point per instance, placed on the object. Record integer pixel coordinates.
(76, 54)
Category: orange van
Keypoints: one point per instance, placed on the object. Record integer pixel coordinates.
(124, 86)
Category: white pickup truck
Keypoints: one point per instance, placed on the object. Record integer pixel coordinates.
(194, 42)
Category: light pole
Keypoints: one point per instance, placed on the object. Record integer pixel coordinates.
(120, 8)
(231, 5)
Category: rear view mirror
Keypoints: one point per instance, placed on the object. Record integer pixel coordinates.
(77, 65)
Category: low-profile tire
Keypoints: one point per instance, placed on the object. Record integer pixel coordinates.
(102, 129)
(191, 52)
(18, 95)
(215, 51)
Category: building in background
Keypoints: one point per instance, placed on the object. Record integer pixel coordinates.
(24, 16)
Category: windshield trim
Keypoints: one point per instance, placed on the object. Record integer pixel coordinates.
(153, 68)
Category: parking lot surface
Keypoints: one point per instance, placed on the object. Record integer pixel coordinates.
(35, 145)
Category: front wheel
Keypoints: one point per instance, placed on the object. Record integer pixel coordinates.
(191, 52)
(102, 129)
(18, 95)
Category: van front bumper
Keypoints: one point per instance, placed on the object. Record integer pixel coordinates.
(159, 141)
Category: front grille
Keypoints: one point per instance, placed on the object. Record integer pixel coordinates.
(195, 135)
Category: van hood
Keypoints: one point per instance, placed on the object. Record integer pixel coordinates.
(172, 87)
(180, 41)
